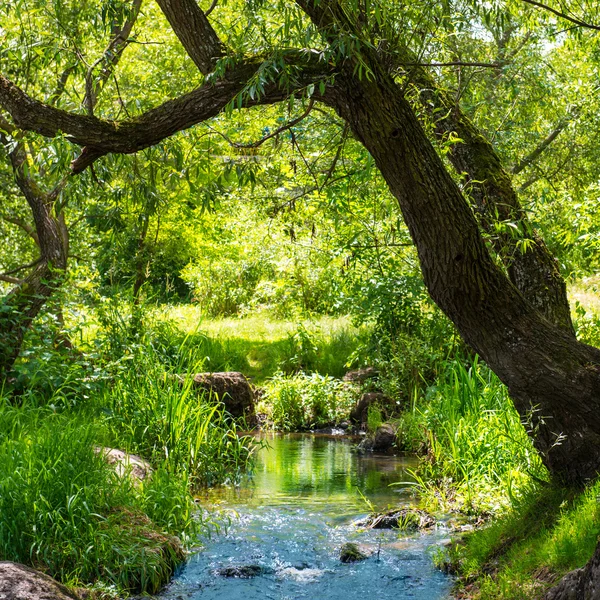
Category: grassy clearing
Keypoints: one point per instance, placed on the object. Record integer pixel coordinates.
(586, 292)
(259, 345)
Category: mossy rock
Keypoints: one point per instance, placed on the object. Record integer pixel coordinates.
(241, 571)
(350, 553)
(153, 554)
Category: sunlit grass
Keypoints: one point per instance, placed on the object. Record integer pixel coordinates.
(586, 291)
(550, 532)
(479, 457)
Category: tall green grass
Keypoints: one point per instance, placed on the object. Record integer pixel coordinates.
(63, 510)
(478, 455)
(548, 533)
(165, 419)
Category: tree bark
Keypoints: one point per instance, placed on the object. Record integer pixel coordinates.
(23, 303)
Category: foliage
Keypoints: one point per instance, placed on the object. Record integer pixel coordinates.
(300, 402)
(164, 418)
(479, 458)
(548, 532)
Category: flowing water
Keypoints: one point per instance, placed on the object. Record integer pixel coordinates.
(288, 522)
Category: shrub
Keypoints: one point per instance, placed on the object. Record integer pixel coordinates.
(306, 401)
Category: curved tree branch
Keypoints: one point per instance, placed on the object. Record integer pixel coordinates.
(562, 15)
(197, 35)
(101, 137)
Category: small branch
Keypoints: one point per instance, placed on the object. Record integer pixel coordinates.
(279, 130)
(211, 8)
(9, 279)
(37, 261)
(110, 57)
(562, 15)
(456, 63)
(541, 147)
(61, 84)
(336, 158)
(26, 227)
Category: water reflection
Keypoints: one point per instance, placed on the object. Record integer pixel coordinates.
(320, 470)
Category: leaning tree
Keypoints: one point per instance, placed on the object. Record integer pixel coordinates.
(508, 303)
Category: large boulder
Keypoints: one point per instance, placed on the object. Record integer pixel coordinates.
(580, 584)
(360, 412)
(232, 388)
(126, 464)
(18, 582)
(383, 440)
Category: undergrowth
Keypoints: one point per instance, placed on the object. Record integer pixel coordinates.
(301, 402)
(64, 511)
(478, 456)
(549, 532)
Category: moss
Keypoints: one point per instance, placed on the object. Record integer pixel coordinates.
(350, 553)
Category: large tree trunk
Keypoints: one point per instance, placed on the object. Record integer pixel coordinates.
(530, 266)
(553, 379)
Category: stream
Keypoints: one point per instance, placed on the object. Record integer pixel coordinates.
(289, 520)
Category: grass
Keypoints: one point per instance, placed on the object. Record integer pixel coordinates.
(170, 422)
(586, 292)
(259, 346)
(549, 532)
(479, 458)
(64, 511)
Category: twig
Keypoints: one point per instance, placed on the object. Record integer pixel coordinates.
(562, 15)
(37, 261)
(456, 63)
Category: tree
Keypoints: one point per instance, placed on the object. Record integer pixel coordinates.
(513, 312)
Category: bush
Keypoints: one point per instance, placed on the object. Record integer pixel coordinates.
(301, 401)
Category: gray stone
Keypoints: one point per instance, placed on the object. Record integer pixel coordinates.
(126, 464)
(385, 438)
(18, 582)
(407, 519)
(242, 571)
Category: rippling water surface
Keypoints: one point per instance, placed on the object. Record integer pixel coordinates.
(290, 519)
